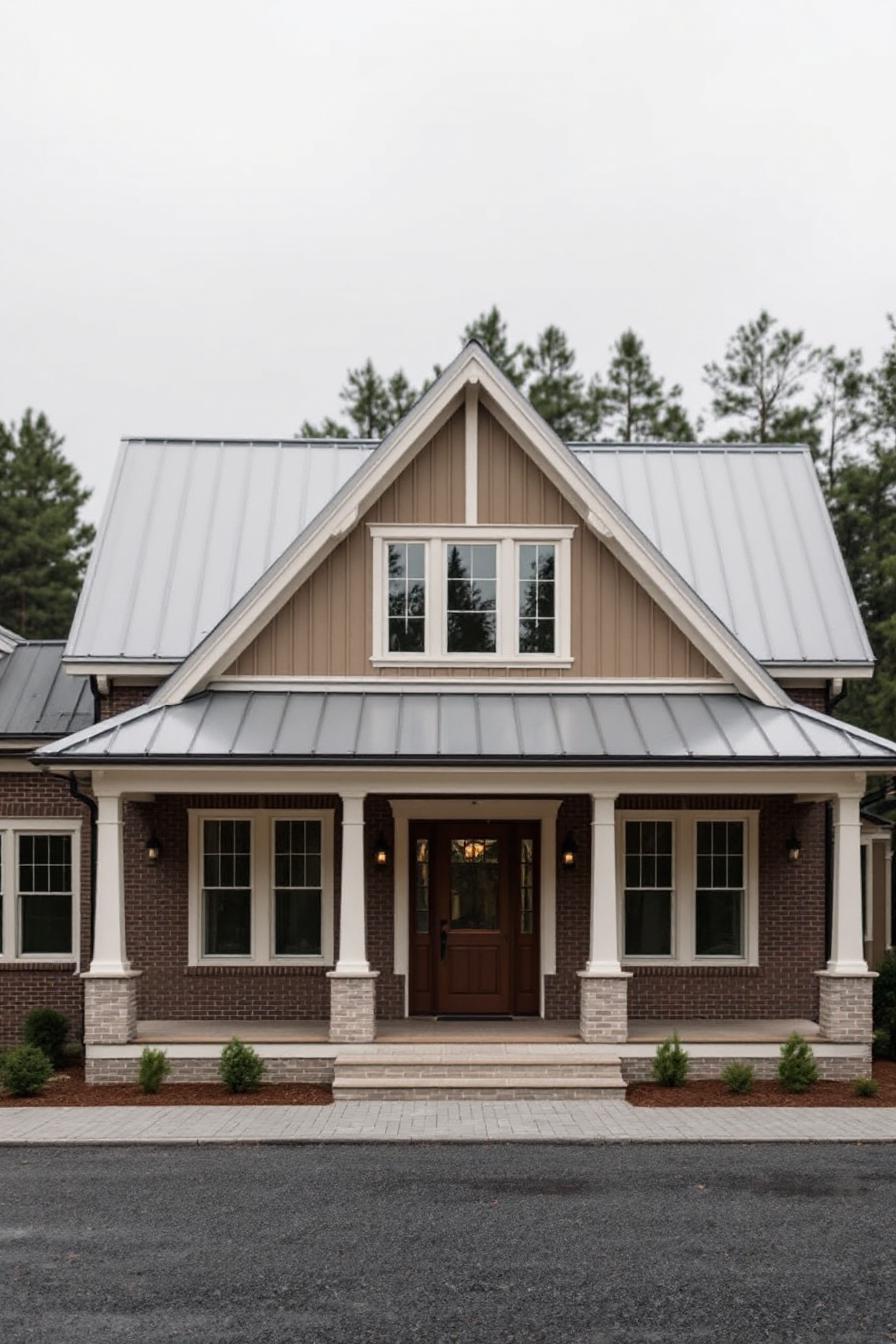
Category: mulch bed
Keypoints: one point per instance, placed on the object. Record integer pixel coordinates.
(68, 1088)
(766, 1092)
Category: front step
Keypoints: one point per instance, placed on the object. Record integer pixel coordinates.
(476, 1072)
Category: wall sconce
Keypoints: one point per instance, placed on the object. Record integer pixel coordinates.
(568, 851)
(153, 849)
(380, 851)
(793, 848)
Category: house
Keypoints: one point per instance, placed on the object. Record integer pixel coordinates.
(469, 761)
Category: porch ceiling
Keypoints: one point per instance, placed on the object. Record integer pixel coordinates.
(501, 727)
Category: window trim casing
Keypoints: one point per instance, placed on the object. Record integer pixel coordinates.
(684, 888)
(508, 541)
(10, 829)
(262, 915)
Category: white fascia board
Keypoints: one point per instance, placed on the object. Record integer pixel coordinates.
(603, 515)
(797, 672)
(121, 669)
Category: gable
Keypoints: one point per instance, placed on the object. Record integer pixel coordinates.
(617, 630)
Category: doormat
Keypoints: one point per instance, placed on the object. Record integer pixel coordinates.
(475, 1017)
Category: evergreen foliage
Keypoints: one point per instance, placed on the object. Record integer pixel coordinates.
(884, 1009)
(761, 385)
(670, 1064)
(241, 1068)
(25, 1070)
(154, 1069)
(797, 1070)
(48, 1030)
(738, 1077)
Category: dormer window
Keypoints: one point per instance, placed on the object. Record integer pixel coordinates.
(471, 595)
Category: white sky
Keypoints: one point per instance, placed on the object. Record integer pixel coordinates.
(210, 209)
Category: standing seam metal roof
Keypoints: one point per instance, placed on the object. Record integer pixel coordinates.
(38, 698)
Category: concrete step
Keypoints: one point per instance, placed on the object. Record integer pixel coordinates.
(480, 1072)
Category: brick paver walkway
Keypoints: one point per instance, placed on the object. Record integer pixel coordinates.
(444, 1121)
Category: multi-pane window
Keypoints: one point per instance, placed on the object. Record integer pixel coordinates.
(648, 888)
(227, 888)
(474, 874)
(719, 914)
(537, 581)
(45, 894)
(298, 891)
(472, 597)
(407, 596)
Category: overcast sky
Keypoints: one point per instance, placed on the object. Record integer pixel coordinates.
(210, 209)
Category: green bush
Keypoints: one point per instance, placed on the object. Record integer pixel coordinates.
(797, 1070)
(154, 1069)
(25, 1071)
(240, 1068)
(885, 1008)
(48, 1030)
(866, 1087)
(670, 1064)
(738, 1077)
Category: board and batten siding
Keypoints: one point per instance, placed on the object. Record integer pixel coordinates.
(325, 628)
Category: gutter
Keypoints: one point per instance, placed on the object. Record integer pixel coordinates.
(865, 764)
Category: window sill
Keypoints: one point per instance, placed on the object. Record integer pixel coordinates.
(709, 968)
(462, 660)
(35, 963)
(243, 967)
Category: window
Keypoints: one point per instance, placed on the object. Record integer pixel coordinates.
(421, 886)
(39, 879)
(471, 595)
(720, 889)
(648, 888)
(261, 887)
(689, 887)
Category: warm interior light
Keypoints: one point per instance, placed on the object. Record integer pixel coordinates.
(380, 852)
(153, 849)
(793, 848)
(568, 851)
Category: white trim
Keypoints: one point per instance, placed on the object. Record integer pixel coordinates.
(10, 829)
(867, 853)
(507, 540)
(798, 674)
(543, 810)
(471, 454)
(684, 885)
(122, 670)
(262, 916)
(481, 685)
(655, 574)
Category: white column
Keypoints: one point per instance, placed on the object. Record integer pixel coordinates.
(847, 945)
(352, 931)
(603, 947)
(109, 954)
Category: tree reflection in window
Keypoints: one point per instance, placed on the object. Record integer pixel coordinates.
(537, 578)
(475, 873)
(472, 597)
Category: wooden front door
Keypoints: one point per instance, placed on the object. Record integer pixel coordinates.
(474, 939)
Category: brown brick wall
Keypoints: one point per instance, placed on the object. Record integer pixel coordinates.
(24, 986)
(813, 697)
(122, 698)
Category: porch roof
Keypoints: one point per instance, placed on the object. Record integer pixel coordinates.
(445, 726)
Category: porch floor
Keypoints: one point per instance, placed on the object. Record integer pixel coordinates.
(513, 1031)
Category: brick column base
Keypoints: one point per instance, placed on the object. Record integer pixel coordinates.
(844, 1007)
(110, 1008)
(352, 1007)
(603, 1007)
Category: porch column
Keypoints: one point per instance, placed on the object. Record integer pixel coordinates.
(110, 986)
(352, 983)
(844, 1010)
(603, 992)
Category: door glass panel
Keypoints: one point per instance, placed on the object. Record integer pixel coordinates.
(527, 885)
(421, 887)
(474, 878)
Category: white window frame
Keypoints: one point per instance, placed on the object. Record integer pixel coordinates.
(262, 923)
(508, 541)
(10, 829)
(684, 886)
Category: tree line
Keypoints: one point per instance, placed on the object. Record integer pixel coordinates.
(770, 385)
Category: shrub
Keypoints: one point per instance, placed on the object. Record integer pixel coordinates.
(25, 1070)
(48, 1030)
(866, 1087)
(738, 1077)
(884, 1000)
(880, 1043)
(670, 1064)
(154, 1069)
(240, 1068)
(797, 1070)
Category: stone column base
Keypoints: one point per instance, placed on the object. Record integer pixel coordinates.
(844, 1006)
(110, 1007)
(352, 1007)
(603, 1006)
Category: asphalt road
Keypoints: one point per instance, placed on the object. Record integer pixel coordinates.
(467, 1243)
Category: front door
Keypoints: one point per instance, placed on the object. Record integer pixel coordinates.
(474, 935)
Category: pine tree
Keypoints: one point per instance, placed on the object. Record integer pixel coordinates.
(555, 388)
(366, 400)
(327, 429)
(490, 330)
(44, 544)
(842, 410)
(635, 404)
(761, 384)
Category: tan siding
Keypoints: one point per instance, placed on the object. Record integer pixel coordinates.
(617, 628)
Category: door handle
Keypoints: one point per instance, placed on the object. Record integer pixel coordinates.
(443, 940)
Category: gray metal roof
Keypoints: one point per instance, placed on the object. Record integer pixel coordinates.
(414, 726)
(748, 528)
(38, 698)
(190, 525)
(8, 640)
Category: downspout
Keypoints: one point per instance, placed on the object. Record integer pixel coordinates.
(90, 804)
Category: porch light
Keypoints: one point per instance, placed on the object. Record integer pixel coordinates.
(153, 849)
(380, 851)
(568, 851)
(793, 847)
